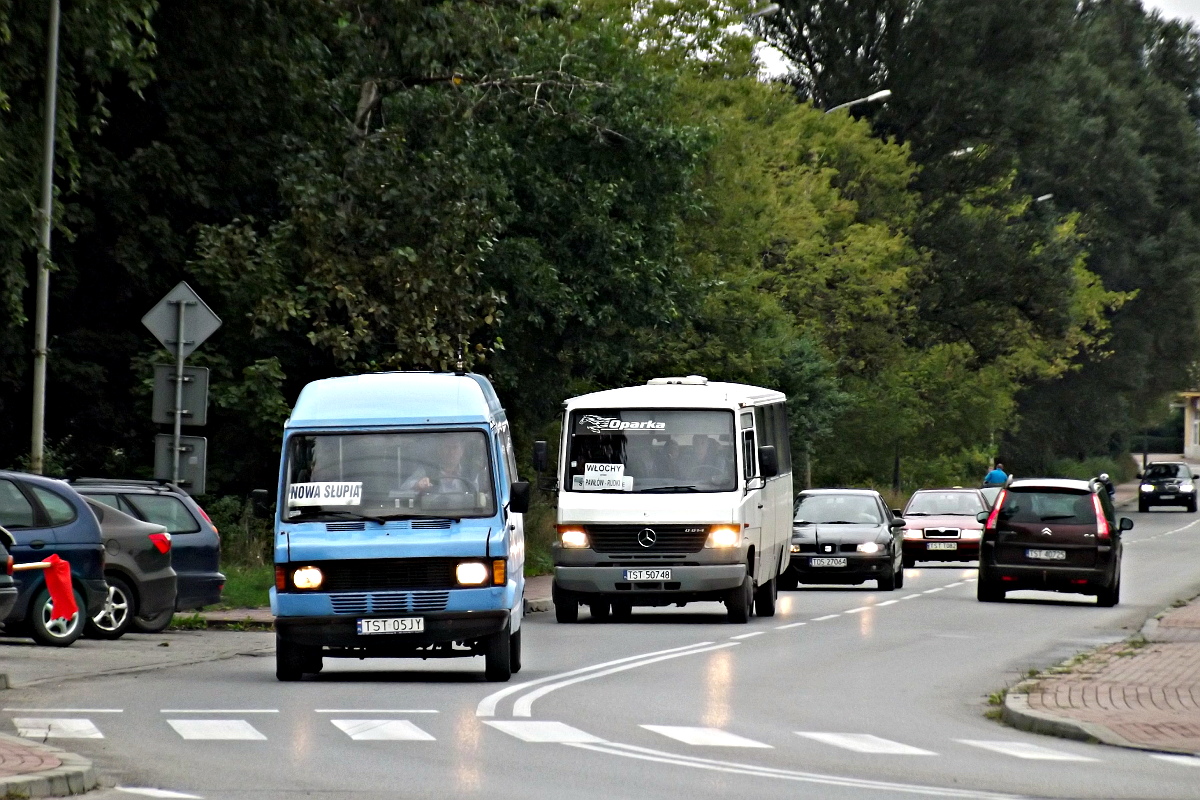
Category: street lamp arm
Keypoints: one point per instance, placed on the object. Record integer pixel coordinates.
(874, 97)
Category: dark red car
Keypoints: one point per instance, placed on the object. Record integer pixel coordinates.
(941, 525)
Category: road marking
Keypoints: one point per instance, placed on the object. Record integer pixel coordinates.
(934, 589)
(69, 710)
(226, 729)
(487, 706)
(156, 792)
(910, 596)
(887, 603)
(544, 732)
(821, 619)
(523, 707)
(44, 728)
(970, 580)
(1034, 752)
(382, 729)
(952, 585)
(865, 743)
(374, 711)
(704, 737)
(748, 635)
(219, 711)
(856, 610)
(792, 625)
(1187, 761)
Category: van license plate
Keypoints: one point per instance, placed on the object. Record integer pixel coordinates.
(647, 574)
(942, 546)
(827, 562)
(1047, 555)
(392, 625)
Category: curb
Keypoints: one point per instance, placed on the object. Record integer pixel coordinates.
(1017, 713)
(537, 605)
(75, 775)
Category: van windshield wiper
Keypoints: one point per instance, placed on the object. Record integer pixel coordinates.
(691, 487)
(314, 516)
(399, 517)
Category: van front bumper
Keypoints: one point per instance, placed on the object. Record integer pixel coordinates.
(687, 583)
(342, 631)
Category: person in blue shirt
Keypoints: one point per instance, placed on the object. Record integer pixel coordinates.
(996, 477)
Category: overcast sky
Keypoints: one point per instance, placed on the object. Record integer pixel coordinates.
(1176, 8)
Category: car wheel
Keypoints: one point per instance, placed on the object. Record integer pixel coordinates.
(599, 610)
(1191, 507)
(622, 612)
(887, 580)
(57, 632)
(1109, 596)
(514, 658)
(566, 607)
(900, 577)
(497, 656)
(118, 613)
(988, 591)
(739, 601)
(155, 624)
(909, 562)
(764, 599)
(1143, 508)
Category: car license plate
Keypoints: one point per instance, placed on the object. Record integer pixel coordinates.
(942, 546)
(392, 625)
(1047, 555)
(827, 562)
(647, 574)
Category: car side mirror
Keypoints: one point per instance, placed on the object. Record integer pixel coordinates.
(768, 461)
(982, 516)
(1126, 524)
(518, 497)
(1138, 475)
(897, 523)
(541, 460)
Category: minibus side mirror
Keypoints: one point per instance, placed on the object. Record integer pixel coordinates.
(541, 461)
(768, 462)
(518, 497)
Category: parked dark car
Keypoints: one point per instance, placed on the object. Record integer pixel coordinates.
(195, 543)
(47, 516)
(940, 525)
(1054, 535)
(141, 582)
(844, 536)
(1167, 483)
(8, 587)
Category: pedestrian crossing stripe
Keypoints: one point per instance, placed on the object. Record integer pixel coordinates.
(543, 731)
(704, 737)
(56, 728)
(1171, 758)
(216, 729)
(865, 743)
(1026, 750)
(394, 730)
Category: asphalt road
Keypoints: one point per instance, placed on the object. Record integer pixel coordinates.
(845, 693)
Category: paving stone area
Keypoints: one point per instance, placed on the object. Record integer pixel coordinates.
(17, 758)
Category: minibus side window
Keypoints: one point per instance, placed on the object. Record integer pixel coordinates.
(749, 452)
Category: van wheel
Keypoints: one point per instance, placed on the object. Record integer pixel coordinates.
(497, 655)
(116, 617)
(740, 601)
(58, 632)
(599, 611)
(514, 646)
(622, 612)
(1109, 596)
(764, 599)
(566, 607)
(293, 660)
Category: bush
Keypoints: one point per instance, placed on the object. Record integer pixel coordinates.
(245, 538)
(1120, 469)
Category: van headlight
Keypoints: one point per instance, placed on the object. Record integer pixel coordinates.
(870, 547)
(572, 537)
(472, 573)
(723, 536)
(308, 578)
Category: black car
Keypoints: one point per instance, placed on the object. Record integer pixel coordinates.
(1167, 483)
(845, 536)
(47, 516)
(1053, 535)
(8, 587)
(195, 543)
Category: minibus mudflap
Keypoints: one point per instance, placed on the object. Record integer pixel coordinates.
(342, 632)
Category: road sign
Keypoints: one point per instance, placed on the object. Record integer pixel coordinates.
(193, 452)
(195, 395)
(198, 323)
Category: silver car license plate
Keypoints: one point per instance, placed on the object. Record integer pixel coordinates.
(392, 625)
(827, 562)
(647, 574)
(1047, 555)
(942, 546)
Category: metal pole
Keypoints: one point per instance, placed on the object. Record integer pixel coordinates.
(180, 309)
(42, 308)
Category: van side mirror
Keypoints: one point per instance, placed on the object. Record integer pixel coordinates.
(982, 516)
(518, 497)
(1126, 524)
(260, 500)
(768, 461)
(541, 461)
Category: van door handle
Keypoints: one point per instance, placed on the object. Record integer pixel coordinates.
(38, 544)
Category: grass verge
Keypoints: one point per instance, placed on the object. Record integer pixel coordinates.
(247, 586)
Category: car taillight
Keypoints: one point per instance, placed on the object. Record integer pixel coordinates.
(991, 521)
(207, 519)
(162, 541)
(9, 568)
(1102, 531)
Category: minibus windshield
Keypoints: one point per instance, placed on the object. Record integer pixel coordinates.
(651, 451)
(381, 476)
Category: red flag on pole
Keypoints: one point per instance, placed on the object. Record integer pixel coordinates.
(62, 595)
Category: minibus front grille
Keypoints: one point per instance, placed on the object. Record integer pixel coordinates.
(384, 602)
(624, 539)
(383, 574)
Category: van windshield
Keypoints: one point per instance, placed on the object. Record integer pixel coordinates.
(444, 474)
(651, 451)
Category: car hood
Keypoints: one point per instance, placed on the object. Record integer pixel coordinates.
(943, 521)
(838, 534)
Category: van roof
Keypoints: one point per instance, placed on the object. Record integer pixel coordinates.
(684, 394)
(396, 398)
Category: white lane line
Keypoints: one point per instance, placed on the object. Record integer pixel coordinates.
(910, 596)
(887, 603)
(68, 710)
(392, 730)
(147, 792)
(704, 737)
(374, 711)
(44, 728)
(219, 711)
(821, 619)
(224, 729)
(865, 743)
(487, 706)
(734, 768)
(970, 580)
(748, 635)
(1170, 758)
(856, 610)
(544, 731)
(952, 585)
(1033, 752)
(524, 705)
(792, 625)
(935, 589)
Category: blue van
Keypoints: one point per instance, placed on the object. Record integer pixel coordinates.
(399, 524)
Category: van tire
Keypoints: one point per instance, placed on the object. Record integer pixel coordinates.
(292, 660)
(497, 655)
(515, 648)
(622, 612)
(740, 601)
(599, 610)
(764, 599)
(55, 634)
(566, 607)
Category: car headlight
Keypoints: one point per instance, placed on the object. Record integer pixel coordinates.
(913, 533)
(969, 533)
(1147, 487)
(870, 547)
(724, 536)
(572, 537)
(308, 578)
(1187, 487)
(472, 573)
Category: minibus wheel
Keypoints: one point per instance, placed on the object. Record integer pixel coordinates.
(764, 599)
(515, 656)
(739, 602)
(566, 607)
(293, 660)
(497, 655)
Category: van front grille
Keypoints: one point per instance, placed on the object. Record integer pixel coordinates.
(382, 574)
(385, 602)
(628, 539)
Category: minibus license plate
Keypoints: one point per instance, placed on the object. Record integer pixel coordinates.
(647, 574)
(1047, 555)
(392, 625)
(827, 562)
(942, 546)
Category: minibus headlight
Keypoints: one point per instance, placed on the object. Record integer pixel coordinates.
(723, 536)
(308, 578)
(571, 536)
(472, 573)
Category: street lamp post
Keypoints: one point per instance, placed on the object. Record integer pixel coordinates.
(875, 97)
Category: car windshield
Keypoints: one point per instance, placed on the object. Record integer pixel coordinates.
(838, 509)
(1042, 505)
(649, 451)
(953, 504)
(1166, 471)
(444, 474)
